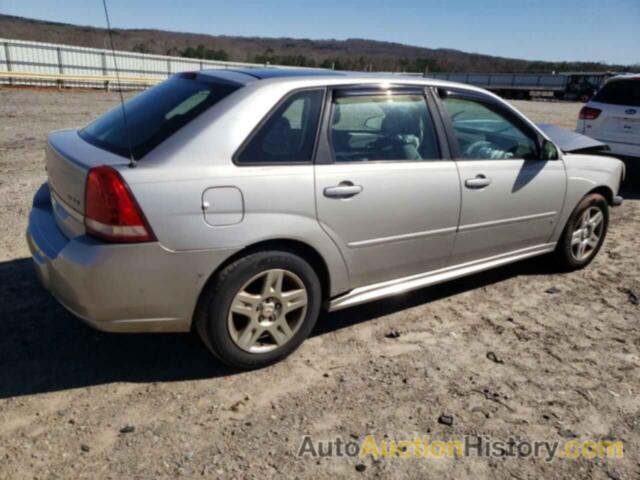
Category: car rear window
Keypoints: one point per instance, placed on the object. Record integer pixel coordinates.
(620, 92)
(155, 114)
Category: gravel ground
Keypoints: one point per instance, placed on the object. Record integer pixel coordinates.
(520, 352)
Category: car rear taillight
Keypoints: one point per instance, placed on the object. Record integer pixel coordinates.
(589, 113)
(111, 211)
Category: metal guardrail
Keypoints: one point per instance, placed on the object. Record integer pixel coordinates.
(62, 79)
(38, 63)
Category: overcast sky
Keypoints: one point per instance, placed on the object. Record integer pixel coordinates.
(587, 30)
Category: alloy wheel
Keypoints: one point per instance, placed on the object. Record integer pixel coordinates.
(267, 311)
(587, 233)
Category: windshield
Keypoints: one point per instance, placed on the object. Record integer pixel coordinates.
(155, 114)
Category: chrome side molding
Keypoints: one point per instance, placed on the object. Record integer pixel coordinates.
(381, 290)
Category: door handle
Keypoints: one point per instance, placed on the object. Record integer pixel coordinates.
(343, 190)
(479, 182)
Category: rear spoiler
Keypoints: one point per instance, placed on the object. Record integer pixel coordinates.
(573, 142)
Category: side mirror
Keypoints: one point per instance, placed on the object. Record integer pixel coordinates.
(549, 151)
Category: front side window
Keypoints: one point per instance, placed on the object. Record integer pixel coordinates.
(377, 127)
(483, 132)
(288, 135)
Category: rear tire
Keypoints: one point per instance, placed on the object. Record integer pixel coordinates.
(584, 233)
(259, 309)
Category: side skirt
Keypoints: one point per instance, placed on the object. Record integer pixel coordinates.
(389, 288)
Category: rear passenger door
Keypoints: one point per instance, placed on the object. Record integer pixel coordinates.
(385, 192)
(511, 196)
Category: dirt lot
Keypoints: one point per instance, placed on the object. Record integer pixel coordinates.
(565, 362)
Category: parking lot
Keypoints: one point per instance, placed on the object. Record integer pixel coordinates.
(518, 352)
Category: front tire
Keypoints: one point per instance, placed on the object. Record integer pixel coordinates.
(584, 233)
(259, 309)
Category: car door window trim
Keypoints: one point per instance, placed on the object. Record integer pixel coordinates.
(324, 152)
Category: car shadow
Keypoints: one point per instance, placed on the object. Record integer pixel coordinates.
(630, 193)
(349, 317)
(630, 188)
(44, 348)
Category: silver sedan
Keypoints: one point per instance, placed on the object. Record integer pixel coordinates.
(241, 203)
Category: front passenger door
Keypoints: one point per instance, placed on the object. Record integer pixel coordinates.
(511, 198)
(384, 192)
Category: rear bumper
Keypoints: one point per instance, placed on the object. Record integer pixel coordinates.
(117, 287)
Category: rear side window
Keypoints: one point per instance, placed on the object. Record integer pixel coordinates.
(620, 92)
(155, 114)
(289, 133)
(382, 127)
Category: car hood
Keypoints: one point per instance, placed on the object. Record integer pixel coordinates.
(569, 141)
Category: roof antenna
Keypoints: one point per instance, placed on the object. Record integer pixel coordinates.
(132, 160)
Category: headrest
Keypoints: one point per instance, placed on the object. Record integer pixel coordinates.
(401, 121)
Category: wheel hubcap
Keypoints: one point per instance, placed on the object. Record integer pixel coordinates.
(267, 311)
(587, 233)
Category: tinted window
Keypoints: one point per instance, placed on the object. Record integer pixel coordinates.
(382, 127)
(483, 132)
(620, 92)
(155, 114)
(288, 135)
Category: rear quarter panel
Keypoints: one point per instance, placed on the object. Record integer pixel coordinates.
(278, 203)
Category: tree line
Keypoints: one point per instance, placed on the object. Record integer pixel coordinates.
(450, 62)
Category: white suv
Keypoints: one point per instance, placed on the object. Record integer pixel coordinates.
(613, 115)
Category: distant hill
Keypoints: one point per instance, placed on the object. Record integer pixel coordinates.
(350, 54)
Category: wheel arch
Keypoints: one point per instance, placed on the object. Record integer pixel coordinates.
(296, 247)
(564, 248)
(574, 196)
(603, 190)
